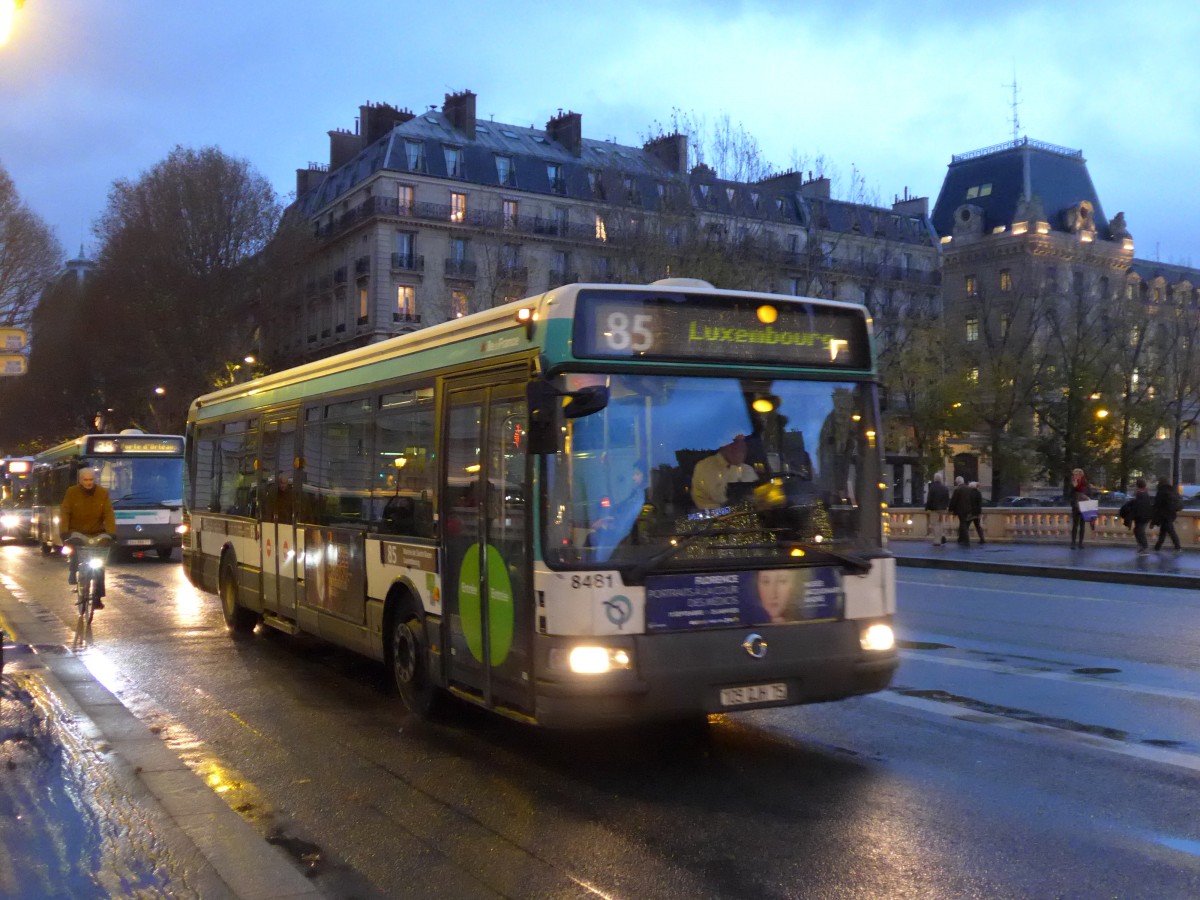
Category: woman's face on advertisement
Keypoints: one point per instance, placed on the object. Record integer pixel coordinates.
(774, 591)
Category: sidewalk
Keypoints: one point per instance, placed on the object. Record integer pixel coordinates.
(1114, 564)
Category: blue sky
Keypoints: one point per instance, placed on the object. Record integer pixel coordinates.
(93, 91)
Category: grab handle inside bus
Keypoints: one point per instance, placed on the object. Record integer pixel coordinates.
(544, 399)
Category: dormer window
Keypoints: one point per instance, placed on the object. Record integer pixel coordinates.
(414, 155)
(454, 161)
(504, 169)
(554, 175)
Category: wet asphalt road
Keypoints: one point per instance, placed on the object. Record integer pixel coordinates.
(1042, 740)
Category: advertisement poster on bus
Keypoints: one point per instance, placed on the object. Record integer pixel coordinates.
(334, 573)
(728, 599)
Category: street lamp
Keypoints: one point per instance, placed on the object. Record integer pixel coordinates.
(1102, 413)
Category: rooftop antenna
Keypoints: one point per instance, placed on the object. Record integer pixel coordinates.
(1016, 119)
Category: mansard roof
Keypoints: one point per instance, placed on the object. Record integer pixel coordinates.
(997, 179)
(1148, 270)
(632, 177)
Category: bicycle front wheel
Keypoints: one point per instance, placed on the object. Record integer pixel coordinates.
(86, 592)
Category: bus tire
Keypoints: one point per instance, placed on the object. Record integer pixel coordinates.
(238, 619)
(408, 657)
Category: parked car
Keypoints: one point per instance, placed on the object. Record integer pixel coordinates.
(1022, 501)
(1112, 498)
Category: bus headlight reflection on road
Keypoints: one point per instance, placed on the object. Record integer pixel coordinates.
(877, 637)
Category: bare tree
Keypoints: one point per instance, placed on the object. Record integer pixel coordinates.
(178, 276)
(1176, 365)
(29, 256)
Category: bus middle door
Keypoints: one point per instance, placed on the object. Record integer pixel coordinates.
(486, 584)
(278, 507)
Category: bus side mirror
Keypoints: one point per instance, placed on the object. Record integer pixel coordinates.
(545, 400)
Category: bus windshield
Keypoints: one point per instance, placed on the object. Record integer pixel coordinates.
(140, 481)
(686, 471)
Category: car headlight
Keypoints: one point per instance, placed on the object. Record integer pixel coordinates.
(10, 521)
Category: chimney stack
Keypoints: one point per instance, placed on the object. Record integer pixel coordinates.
(378, 119)
(671, 150)
(310, 178)
(567, 129)
(342, 147)
(460, 110)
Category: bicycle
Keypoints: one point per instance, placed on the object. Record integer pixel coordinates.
(93, 557)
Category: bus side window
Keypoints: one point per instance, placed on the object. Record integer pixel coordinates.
(402, 480)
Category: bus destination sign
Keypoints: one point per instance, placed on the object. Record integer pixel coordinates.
(134, 445)
(695, 328)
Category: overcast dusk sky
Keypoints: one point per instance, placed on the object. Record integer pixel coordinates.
(97, 90)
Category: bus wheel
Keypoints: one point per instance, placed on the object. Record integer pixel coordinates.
(47, 549)
(409, 652)
(238, 619)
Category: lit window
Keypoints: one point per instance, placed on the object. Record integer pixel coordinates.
(972, 286)
(404, 199)
(458, 304)
(972, 192)
(973, 376)
(601, 230)
(406, 301)
(1005, 280)
(972, 330)
(510, 214)
(458, 207)
(363, 303)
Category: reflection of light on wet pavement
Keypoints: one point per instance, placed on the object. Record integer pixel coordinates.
(80, 834)
(188, 603)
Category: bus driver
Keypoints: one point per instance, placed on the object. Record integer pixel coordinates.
(713, 474)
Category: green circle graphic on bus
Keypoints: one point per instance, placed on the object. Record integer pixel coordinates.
(500, 604)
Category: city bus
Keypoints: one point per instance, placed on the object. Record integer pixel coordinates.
(500, 508)
(143, 474)
(16, 498)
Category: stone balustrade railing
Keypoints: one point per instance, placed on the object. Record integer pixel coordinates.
(1033, 524)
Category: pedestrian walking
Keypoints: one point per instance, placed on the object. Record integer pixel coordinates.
(960, 506)
(1080, 490)
(976, 509)
(937, 501)
(1167, 504)
(1137, 512)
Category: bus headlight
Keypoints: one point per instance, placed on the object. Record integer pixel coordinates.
(10, 521)
(591, 660)
(877, 637)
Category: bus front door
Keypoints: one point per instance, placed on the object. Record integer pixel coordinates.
(485, 581)
(278, 505)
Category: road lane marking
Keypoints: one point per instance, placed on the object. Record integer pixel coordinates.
(989, 590)
(1069, 677)
(1189, 761)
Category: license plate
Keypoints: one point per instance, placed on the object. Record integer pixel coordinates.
(140, 542)
(754, 693)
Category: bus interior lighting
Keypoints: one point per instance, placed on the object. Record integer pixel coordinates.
(877, 636)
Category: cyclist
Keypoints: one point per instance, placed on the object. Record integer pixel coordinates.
(86, 509)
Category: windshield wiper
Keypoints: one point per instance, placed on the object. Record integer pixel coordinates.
(638, 572)
(856, 564)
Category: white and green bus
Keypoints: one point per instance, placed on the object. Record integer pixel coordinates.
(143, 474)
(501, 507)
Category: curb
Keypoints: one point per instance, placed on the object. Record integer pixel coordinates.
(248, 866)
(1111, 576)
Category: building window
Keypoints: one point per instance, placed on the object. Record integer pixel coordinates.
(404, 199)
(1051, 278)
(794, 286)
(504, 169)
(458, 207)
(555, 177)
(972, 329)
(364, 308)
(458, 304)
(454, 161)
(340, 312)
(510, 256)
(510, 214)
(405, 248)
(1005, 280)
(406, 302)
(1005, 324)
(972, 286)
(973, 375)
(596, 183)
(458, 249)
(414, 154)
(562, 218)
(601, 230)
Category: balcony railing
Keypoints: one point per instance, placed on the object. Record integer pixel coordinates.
(512, 272)
(558, 277)
(407, 318)
(409, 262)
(362, 265)
(460, 268)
